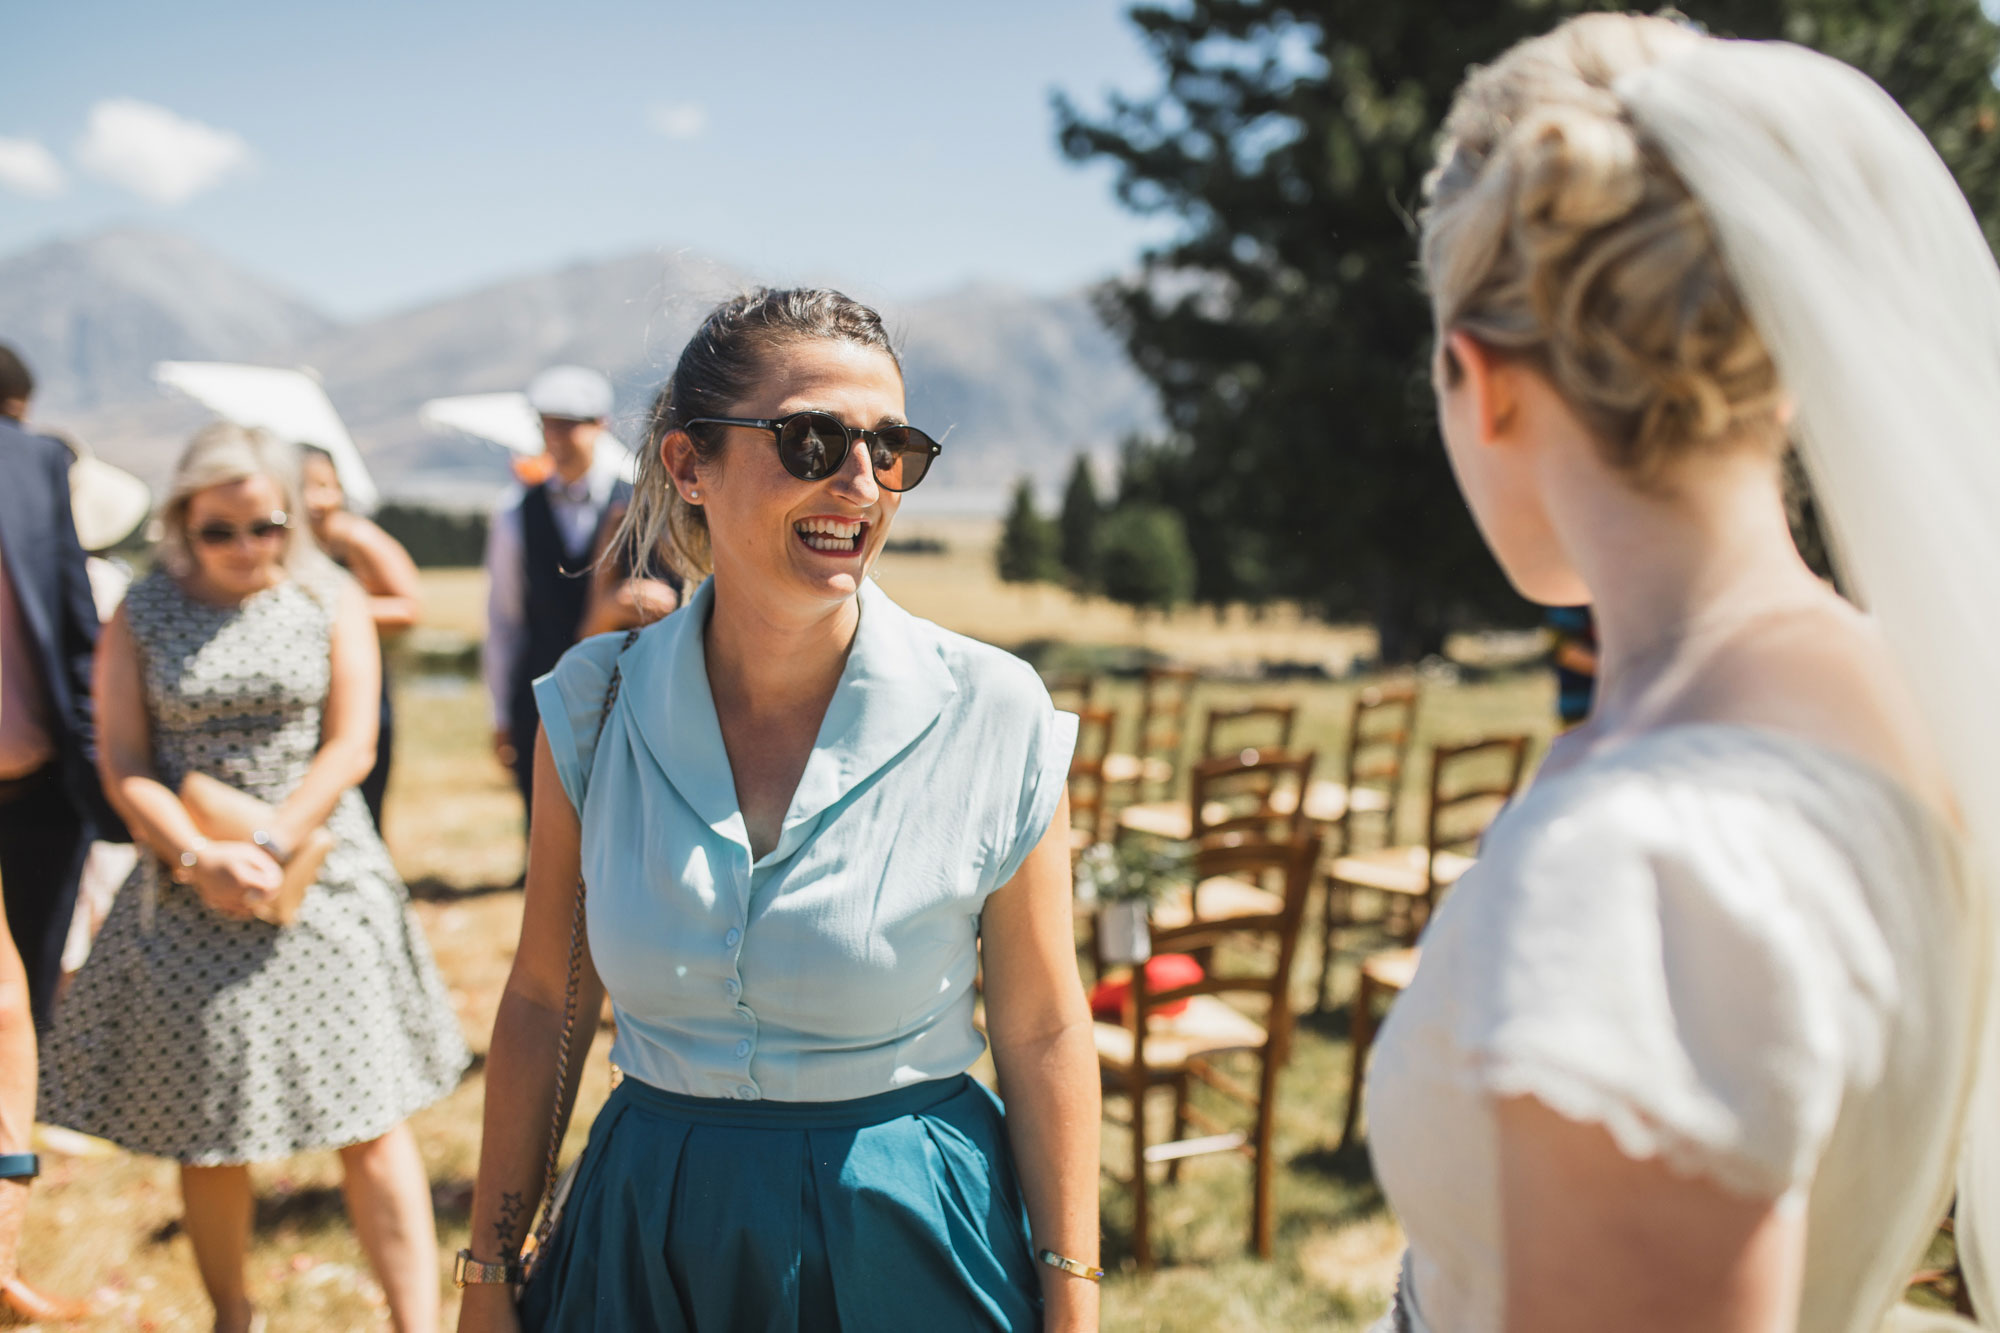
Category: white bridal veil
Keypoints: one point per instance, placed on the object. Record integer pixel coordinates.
(1863, 268)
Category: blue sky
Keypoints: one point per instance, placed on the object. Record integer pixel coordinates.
(373, 154)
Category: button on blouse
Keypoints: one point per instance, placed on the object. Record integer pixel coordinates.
(840, 964)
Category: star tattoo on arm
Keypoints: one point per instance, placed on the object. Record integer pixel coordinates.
(507, 1230)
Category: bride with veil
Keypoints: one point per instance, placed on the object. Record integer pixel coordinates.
(1703, 1042)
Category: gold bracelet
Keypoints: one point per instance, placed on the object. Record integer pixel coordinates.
(1071, 1266)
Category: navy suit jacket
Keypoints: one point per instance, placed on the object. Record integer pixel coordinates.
(45, 565)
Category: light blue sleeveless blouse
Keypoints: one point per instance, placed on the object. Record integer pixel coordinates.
(841, 964)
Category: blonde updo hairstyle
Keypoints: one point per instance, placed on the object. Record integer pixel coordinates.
(224, 452)
(719, 368)
(1555, 232)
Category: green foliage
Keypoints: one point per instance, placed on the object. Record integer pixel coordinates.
(1133, 870)
(1284, 326)
(1029, 550)
(1082, 511)
(435, 538)
(1143, 557)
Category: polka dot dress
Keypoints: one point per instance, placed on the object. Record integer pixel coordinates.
(191, 1036)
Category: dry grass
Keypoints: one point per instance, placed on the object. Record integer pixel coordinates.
(106, 1223)
(961, 591)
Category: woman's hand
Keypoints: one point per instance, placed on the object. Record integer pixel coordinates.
(236, 878)
(488, 1308)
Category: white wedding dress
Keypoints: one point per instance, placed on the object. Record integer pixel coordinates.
(1737, 951)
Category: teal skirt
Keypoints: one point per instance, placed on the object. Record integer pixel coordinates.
(702, 1215)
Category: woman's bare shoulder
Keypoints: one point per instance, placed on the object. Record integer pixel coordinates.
(1828, 676)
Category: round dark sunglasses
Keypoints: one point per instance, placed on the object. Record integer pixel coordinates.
(263, 529)
(813, 445)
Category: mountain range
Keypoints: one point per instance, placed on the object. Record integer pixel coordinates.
(1015, 383)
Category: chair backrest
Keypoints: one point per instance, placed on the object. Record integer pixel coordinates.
(1164, 700)
(1471, 782)
(1274, 720)
(1264, 968)
(1378, 750)
(1071, 689)
(1089, 806)
(1251, 795)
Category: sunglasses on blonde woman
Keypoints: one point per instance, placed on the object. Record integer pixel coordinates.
(258, 530)
(813, 445)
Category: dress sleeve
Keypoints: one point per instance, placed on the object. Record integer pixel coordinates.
(1044, 777)
(570, 700)
(1687, 974)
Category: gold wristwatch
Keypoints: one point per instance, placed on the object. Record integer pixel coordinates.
(469, 1272)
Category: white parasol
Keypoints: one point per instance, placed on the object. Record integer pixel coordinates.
(506, 419)
(288, 403)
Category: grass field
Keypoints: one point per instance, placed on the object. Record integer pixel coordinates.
(106, 1222)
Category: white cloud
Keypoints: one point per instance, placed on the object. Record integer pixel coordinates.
(680, 120)
(156, 154)
(28, 168)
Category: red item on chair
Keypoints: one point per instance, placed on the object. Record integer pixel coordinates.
(1163, 972)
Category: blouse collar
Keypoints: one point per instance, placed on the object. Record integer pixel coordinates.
(892, 689)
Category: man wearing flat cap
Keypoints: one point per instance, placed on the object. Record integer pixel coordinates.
(540, 549)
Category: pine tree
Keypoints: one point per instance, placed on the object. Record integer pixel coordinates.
(1283, 328)
(1081, 513)
(1143, 557)
(1029, 550)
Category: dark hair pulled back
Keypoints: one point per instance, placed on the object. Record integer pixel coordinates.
(719, 368)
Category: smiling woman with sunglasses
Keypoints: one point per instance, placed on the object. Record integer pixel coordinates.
(200, 1029)
(805, 820)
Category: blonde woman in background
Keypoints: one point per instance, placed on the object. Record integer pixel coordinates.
(1695, 1046)
(195, 1031)
(385, 572)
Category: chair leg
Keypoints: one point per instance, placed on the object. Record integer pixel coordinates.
(1361, 1032)
(1142, 1241)
(1326, 929)
(1261, 1204)
(1180, 1125)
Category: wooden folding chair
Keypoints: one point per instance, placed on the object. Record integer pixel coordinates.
(1089, 794)
(1460, 811)
(1173, 819)
(1148, 1049)
(1411, 878)
(1250, 797)
(1155, 762)
(1379, 736)
(1222, 733)
(1071, 690)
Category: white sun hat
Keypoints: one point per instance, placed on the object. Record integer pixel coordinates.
(108, 503)
(508, 420)
(288, 403)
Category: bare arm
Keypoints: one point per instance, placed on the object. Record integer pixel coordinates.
(348, 724)
(617, 601)
(385, 572)
(1596, 1240)
(227, 875)
(505, 609)
(521, 1060)
(17, 1092)
(1042, 1048)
